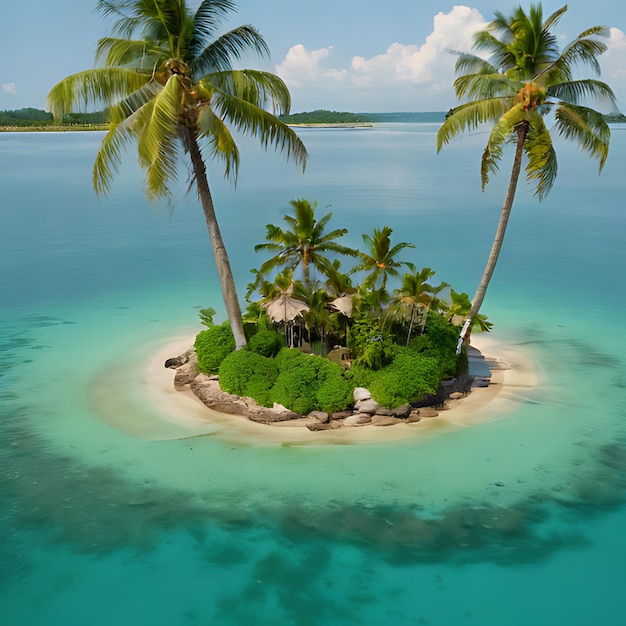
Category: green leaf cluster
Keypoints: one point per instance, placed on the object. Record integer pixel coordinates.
(371, 346)
(440, 341)
(247, 373)
(213, 346)
(409, 377)
(307, 382)
(267, 343)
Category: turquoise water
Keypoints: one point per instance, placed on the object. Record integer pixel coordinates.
(515, 521)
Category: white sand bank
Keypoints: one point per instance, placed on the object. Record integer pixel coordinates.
(176, 414)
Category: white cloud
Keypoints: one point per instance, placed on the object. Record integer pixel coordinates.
(302, 66)
(617, 39)
(413, 64)
(9, 87)
(397, 70)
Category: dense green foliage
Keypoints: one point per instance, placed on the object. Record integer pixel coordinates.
(307, 382)
(267, 343)
(406, 379)
(246, 373)
(323, 116)
(442, 338)
(213, 346)
(370, 346)
(24, 118)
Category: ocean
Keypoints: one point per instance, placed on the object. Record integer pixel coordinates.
(518, 520)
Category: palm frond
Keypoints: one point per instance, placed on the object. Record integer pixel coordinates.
(218, 56)
(259, 88)
(500, 134)
(576, 90)
(209, 16)
(587, 127)
(97, 87)
(109, 156)
(553, 19)
(482, 86)
(472, 64)
(157, 128)
(541, 168)
(115, 52)
(252, 120)
(128, 20)
(582, 51)
(469, 116)
(123, 109)
(221, 143)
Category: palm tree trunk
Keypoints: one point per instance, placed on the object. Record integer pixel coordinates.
(227, 282)
(408, 335)
(481, 290)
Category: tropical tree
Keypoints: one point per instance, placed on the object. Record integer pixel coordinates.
(525, 77)
(167, 76)
(458, 310)
(303, 244)
(380, 262)
(414, 296)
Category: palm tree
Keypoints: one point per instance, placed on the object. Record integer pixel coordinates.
(458, 309)
(526, 77)
(416, 294)
(380, 261)
(167, 78)
(303, 244)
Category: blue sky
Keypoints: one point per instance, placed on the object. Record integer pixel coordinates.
(352, 55)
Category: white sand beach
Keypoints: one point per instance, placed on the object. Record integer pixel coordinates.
(180, 414)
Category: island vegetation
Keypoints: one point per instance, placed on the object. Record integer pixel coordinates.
(314, 335)
(323, 116)
(38, 119)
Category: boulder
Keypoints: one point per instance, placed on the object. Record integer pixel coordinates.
(318, 426)
(321, 416)
(339, 415)
(185, 374)
(360, 393)
(456, 395)
(385, 420)
(366, 406)
(428, 412)
(401, 411)
(176, 361)
(413, 417)
(358, 419)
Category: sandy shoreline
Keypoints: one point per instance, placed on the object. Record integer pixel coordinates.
(175, 414)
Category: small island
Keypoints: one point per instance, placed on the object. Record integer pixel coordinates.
(327, 351)
(323, 118)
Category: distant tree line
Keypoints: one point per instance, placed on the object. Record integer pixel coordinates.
(30, 117)
(323, 116)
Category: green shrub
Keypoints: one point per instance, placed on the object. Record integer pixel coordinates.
(407, 379)
(266, 342)
(370, 345)
(307, 382)
(286, 355)
(335, 392)
(443, 336)
(245, 373)
(213, 346)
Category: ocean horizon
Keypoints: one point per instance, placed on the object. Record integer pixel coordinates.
(517, 520)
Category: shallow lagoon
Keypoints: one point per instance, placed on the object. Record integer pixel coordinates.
(98, 525)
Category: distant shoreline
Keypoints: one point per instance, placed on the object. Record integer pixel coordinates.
(51, 129)
(332, 125)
